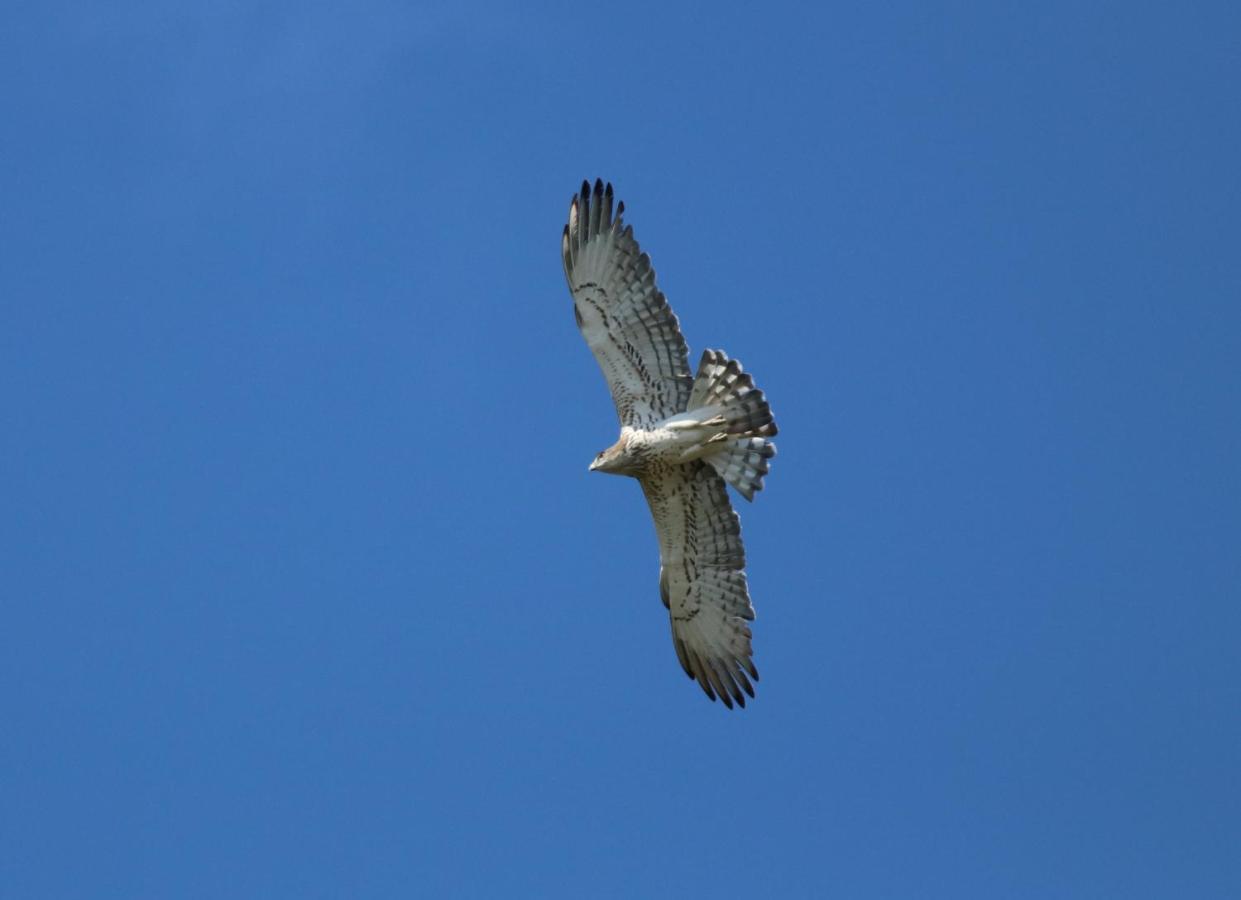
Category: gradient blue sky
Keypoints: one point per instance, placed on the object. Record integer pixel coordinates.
(307, 591)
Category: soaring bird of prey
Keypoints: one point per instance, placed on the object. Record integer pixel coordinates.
(682, 436)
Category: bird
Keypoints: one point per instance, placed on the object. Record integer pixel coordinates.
(683, 436)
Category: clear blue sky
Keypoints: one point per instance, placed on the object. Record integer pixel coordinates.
(307, 591)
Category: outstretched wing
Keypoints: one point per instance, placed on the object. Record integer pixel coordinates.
(622, 314)
(702, 578)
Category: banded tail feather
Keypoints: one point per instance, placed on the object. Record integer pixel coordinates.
(743, 463)
(726, 394)
(722, 389)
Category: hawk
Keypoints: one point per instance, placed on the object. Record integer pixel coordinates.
(682, 436)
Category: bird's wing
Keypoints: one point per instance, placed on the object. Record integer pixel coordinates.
(622, 314)
(702, 578)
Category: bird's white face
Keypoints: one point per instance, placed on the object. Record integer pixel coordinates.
(613, 460)
(601, 462)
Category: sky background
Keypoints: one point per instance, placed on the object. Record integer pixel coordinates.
(307, 591)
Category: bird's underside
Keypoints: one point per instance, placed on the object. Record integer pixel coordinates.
(682, 437)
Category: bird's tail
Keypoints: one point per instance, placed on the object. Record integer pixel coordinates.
(726, 397)
(743, 463)
(721, 389)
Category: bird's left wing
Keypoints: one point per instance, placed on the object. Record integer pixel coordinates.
(702, 578)
(622, 314)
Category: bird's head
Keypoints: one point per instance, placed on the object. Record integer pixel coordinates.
(613, 460)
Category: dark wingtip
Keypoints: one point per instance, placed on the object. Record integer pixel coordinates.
(749, 688)
(700, 675)
(730, 682)
(598, 187)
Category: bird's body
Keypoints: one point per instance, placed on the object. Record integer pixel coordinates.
(682, 437)
(639, 452)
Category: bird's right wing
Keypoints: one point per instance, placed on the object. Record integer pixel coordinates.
(702, 578)
(622, 314)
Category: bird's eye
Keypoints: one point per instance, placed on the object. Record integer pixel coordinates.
(599, 455)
